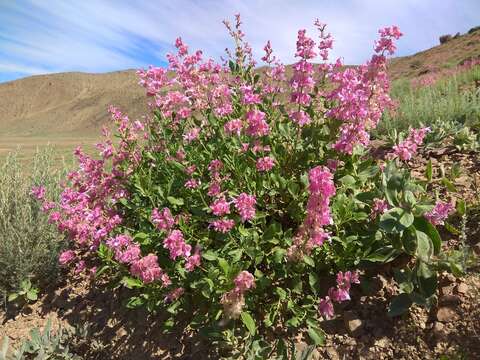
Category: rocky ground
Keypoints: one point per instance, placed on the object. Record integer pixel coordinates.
(449, 330)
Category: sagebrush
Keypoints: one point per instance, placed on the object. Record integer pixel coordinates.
(29, 243)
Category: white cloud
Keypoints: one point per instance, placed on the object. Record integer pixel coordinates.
(102, 35)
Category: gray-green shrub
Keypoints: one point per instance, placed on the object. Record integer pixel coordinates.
(29, 245)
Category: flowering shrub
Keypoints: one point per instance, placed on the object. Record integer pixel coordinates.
(246, 189)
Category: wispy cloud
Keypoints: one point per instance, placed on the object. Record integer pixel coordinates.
(100, 35)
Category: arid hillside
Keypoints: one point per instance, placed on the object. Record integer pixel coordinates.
(66, 104)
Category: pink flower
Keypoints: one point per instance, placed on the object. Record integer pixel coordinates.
(48, 205)
(220, 207)
(248, 96)
(233, 127)
(175, 243)
(325, 308)
(189, 170)
(80, 267)
(379, 207)
(265, 164)
(215, 166)
(191, 135)
(66, 257)
(38, 192)
(245, 205)
(214, 189)
(194, 260)
(439, 213)
(147, 269)
(163, 220)
(125, 250)
(407, 148)
(192, 183)
(257, 126)
(174, 294)
(333, 164)
(223, 225)
(300, 117)
(244, 281)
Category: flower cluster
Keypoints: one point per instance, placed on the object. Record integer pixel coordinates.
(379, 206)
(245, 205)
(233, 301)
(163, 220)
(407, 148)
(362, 95)
(439, 213)
(338, 294)
(321, 188)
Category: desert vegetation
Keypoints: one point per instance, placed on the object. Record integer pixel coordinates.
(249, 210)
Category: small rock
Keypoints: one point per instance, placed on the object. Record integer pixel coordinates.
(353, 323)
(448, 279)
(332, 353)
(450, 300)
(382, 342)
(446, 314)
(438, 330)
(447, 290)
(462, 289)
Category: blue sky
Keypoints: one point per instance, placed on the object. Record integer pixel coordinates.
(38, 37)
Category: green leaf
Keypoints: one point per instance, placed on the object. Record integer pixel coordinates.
(399, 305)
(12, 297)
(424, 246)
(25, 284)
(348, 180)
(308, 260)
(175, 201)
(410, 198)
(427, 279)
(317, 335)
(282, 294)
(313, 281)
(279, 255)
(224, 265)
(32, 294)
(383, 255)
(209, 255)
(448, 184)
(396, 220)
(425, 226)
(409, 240)
(248, 322)
(135, 302)
(130, 282)
(461, 207)
(429, 171)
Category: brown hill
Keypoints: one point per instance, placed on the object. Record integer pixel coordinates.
(69, 107)
(453, 52)
(67, 103)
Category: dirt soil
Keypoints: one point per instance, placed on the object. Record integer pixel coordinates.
(362, 330)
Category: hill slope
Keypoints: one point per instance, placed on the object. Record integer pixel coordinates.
(73, 104)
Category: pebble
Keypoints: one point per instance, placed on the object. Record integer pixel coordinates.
(353, 323)
(332, 353)
(446, 314)
(462, 289)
